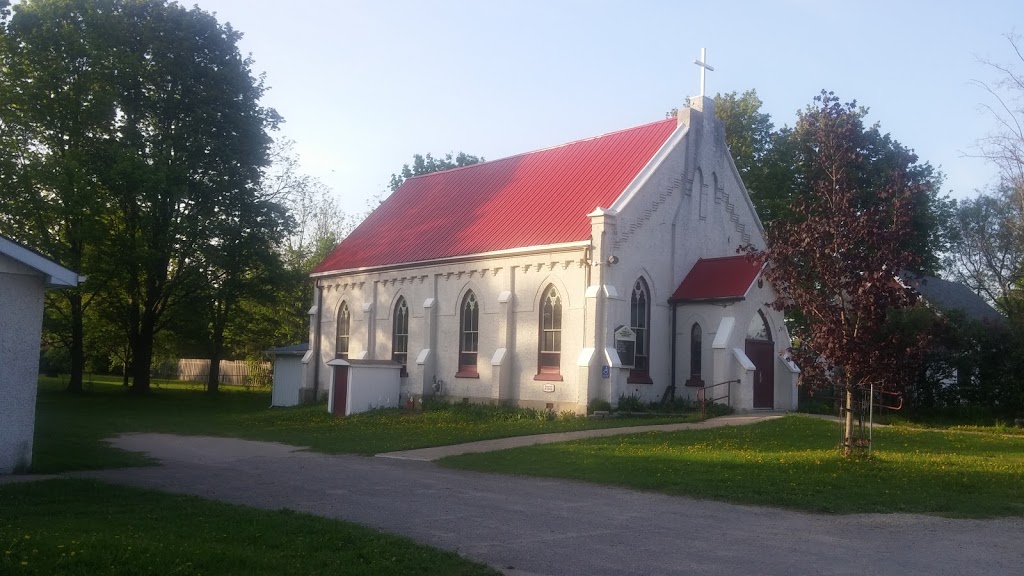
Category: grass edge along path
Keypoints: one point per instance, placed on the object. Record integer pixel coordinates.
(70, 428)
(791, 462)
(85, 527)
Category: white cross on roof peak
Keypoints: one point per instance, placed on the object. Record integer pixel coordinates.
(704, 67)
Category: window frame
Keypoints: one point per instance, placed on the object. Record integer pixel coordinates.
(641, 295)
(549, 356)
(343, 331)
(400, 334)
(472, 330)
(696, 378)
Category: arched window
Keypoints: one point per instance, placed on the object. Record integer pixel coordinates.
(758, 329)
(639, 322)
(696, 351)
(400, 333)
(344, 324)
(469, 335)
(550, 357)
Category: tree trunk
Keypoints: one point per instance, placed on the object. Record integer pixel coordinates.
(142, 356)
(77, 342)
(217, 345)
(848, 423)
(213, 381)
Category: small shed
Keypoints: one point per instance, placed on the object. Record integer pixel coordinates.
(363, 385)
(25, 275)
(287, 374)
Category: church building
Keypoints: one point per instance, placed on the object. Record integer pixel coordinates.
(597, 269)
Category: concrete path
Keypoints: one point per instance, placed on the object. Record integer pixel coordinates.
(527, 525)
(438, 452)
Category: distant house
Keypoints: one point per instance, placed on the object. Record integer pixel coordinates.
(25, 276)
(947, 296)
(959, 366)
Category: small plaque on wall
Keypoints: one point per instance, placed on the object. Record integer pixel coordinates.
(549, 387)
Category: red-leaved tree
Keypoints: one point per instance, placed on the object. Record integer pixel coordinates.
(835, 262)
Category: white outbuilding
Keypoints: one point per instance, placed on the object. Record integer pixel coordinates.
(288, 368)
(25, 275)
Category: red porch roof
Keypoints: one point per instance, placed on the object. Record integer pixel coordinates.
(531, 199)
(726, 278)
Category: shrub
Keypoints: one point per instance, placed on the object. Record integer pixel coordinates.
(677, 405)
(632, 403)
(599, 405)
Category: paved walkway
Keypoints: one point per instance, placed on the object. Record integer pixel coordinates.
(438, 452)
(524, 525)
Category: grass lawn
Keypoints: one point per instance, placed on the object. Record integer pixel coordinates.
(70, 428)
(79, 527)
(792, 462)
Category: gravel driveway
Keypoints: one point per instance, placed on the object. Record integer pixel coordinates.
(539, 526)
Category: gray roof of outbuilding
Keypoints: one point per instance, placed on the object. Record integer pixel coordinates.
(947, 295)
(56, 275)
(295, 349)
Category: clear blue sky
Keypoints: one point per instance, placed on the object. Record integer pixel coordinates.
(363, 85)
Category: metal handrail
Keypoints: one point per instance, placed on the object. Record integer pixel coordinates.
(702, 394)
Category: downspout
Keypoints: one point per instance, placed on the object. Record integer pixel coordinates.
(317, 359)
(672, 384)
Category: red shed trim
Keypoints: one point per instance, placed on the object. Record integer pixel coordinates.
(717, 279)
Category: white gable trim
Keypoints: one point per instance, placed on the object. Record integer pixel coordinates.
(56, 275)
(649, 169)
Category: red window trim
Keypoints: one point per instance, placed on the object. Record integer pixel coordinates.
(695, 381)
(549, 377)
(639, 377)
(467, 372)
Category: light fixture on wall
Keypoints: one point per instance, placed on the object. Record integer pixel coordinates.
(613, 260)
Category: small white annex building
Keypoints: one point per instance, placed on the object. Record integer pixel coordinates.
(595, 269)
(288, 367)
(24, 277)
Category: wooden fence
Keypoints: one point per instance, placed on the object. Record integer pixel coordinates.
(234, 372)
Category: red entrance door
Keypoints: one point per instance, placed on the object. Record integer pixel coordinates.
(762, 354)
(340, 390)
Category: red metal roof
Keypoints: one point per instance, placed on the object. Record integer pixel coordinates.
(718, 279)
(531, 199)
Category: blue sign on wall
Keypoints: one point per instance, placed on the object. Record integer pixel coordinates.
(605, 372)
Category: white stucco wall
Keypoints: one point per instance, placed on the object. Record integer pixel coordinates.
(21, 313)
(508, 290)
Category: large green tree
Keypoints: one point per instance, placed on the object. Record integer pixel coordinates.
(56, 117)
(145, 136)
(188, 162)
